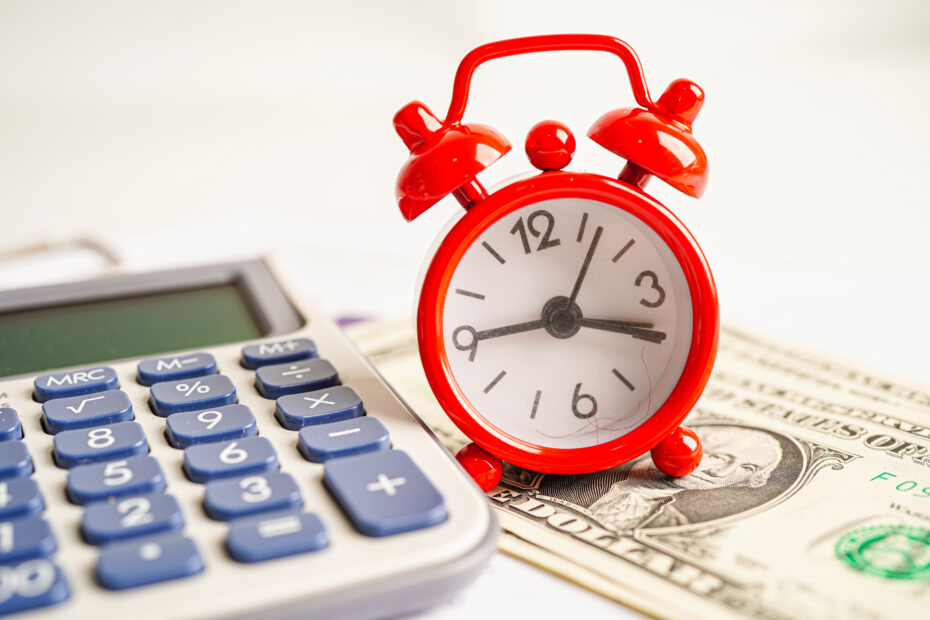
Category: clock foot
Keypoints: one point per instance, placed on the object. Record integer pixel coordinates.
(485, 469)
(679, 454)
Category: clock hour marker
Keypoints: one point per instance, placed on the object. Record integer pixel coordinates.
(462, 291)
(623, 250)
(494, 382)
(487, 247)
(625, 381)
(584, 222)
(535, 404)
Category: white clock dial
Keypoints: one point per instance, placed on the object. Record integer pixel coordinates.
(567, 323)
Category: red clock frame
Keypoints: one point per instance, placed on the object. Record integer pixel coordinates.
(698, 365)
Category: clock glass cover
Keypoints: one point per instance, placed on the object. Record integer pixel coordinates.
(567, 323)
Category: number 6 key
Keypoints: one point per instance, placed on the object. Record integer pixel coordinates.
(229, 458)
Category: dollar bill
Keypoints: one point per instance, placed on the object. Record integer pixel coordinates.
(812, 500)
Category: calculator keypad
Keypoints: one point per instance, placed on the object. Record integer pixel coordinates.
(103, 443)
(152, 560)
(138, 526)
(62, 414)
(177, 367)
(300, 376)
(240, 497)
(229, 458)
(28, 576)
(74, 383)
(191, 394)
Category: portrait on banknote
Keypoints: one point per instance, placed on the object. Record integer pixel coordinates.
(743, 468)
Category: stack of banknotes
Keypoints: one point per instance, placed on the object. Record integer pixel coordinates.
(813, 498)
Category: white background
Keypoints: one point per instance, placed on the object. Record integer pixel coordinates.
(181, 132)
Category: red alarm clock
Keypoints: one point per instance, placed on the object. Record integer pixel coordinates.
(568, 322)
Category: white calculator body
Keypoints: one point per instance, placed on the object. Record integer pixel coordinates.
(203, 443)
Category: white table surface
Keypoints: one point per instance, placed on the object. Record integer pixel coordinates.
(184, 132)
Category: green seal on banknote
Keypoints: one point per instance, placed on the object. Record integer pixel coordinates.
(889, 551)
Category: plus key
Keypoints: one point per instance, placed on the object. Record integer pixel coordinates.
(384, 493)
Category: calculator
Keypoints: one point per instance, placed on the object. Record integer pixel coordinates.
(202, 442)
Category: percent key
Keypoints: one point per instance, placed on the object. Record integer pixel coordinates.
(190, 394)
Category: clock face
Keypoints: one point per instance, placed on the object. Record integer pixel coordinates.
(567, 323)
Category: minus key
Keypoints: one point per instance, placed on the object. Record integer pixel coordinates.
(322, 442)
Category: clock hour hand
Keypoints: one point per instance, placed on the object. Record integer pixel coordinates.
(510, 329)
(640, 331)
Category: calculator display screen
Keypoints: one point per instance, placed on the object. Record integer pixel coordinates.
(97, 331)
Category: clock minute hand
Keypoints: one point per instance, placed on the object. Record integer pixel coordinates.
(584, 266)
(637, 330)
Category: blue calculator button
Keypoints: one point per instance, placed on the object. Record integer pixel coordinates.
(240, 497)
(275, 536)
(20, 498)
(84, 411)
(10, 427)
(152, 560)
(256, 355)
(15, 461)
(140, 515)
(229, 458)
(31, 584)
(300, 376)
(21, 539)
(210, 425)
(136, 475)
(384, 493)
(339, 402)
(190, 394)
(176, 367)
(346, 438)
(103, 443)
(75, 383)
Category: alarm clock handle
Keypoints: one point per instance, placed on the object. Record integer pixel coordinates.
(546, 43)
(679, 454)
